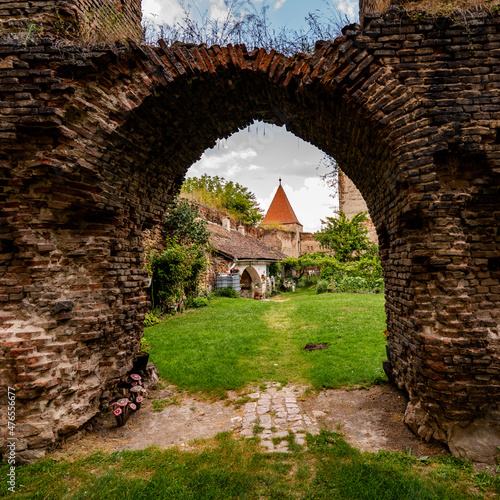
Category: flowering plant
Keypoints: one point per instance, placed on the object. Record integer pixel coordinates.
(145, 347)
(124, 407)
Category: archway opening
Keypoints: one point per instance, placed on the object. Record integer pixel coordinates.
(131, 132)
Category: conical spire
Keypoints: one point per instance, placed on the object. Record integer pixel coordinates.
(280, 211)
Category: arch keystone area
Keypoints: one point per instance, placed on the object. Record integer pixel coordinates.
(94, 145)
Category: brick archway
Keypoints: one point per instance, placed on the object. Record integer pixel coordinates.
(108, 137)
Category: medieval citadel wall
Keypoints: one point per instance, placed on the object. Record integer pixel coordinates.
(90, 21)
(367, 7)
(85, 169)
(351, 202)
(286, 241)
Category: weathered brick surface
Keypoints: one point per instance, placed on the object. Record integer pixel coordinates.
(351, 202)
(93, 145)
(94, 20)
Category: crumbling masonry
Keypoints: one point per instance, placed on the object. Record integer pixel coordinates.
(94, 144)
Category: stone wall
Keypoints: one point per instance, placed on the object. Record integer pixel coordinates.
(411, 110)
(308, 244)
(351, 202)
(287, 241)
(367, 7)
(90, 21)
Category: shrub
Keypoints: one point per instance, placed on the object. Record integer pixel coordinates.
(176, 272)
(356, 284)
(322, 286)
(307, 281)
(362, 275)
(227, 292)
(196, 302)
(150, 319)
(145, 347)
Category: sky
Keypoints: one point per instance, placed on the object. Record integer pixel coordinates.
(260, 155)
(289, 13)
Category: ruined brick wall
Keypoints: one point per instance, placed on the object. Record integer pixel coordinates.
(90, 21)
(216, 216)
(408, 108)
(308, 244)
(351, 202)
(441, 7)
(287, 242)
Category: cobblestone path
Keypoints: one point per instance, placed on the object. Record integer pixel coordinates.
(273, 413)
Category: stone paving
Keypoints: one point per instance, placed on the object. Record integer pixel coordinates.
(272, 414)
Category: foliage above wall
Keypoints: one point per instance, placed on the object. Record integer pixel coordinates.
(247, 22)
(227, 196)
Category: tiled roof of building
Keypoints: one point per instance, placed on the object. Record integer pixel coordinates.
(280, 211)
(235, 245)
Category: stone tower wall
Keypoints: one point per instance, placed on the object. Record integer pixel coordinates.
(90, 21)
(351, 202)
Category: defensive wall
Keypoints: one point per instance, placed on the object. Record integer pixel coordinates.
(95, 142)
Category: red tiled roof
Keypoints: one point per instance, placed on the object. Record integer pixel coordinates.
(236, 245)
(280, 211)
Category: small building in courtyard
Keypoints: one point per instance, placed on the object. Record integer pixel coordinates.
(237, 251)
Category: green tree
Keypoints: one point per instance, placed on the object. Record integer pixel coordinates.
(177, 270)
(227, 196)
(184, 226)
(348, 238)
(300, 264)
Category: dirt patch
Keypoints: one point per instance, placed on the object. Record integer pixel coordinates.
(370, 420)
(315, 347)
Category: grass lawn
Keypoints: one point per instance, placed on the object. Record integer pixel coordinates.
(228, 468)
(235, 342)
(227, 345)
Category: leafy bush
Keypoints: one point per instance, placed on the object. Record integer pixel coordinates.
(177, 270)
(196, 302)
(149, 320)
(363, 275)
(322, 286)
(347, 237)
(145, 347)
(176, 273)
(356, 284)
(227, 292)
(307, 281)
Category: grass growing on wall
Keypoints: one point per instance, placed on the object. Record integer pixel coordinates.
(452, 8)
(235, 342)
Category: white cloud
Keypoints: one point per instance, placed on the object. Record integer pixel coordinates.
(231, 171)
(226, 159)
(279, 4)
(218, 9)
(162, 11)
(349, 8)
(255, 167)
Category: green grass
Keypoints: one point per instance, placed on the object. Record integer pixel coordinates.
(227, 468)
(236, 342)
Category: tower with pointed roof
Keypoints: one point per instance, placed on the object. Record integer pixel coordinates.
(280, 215)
